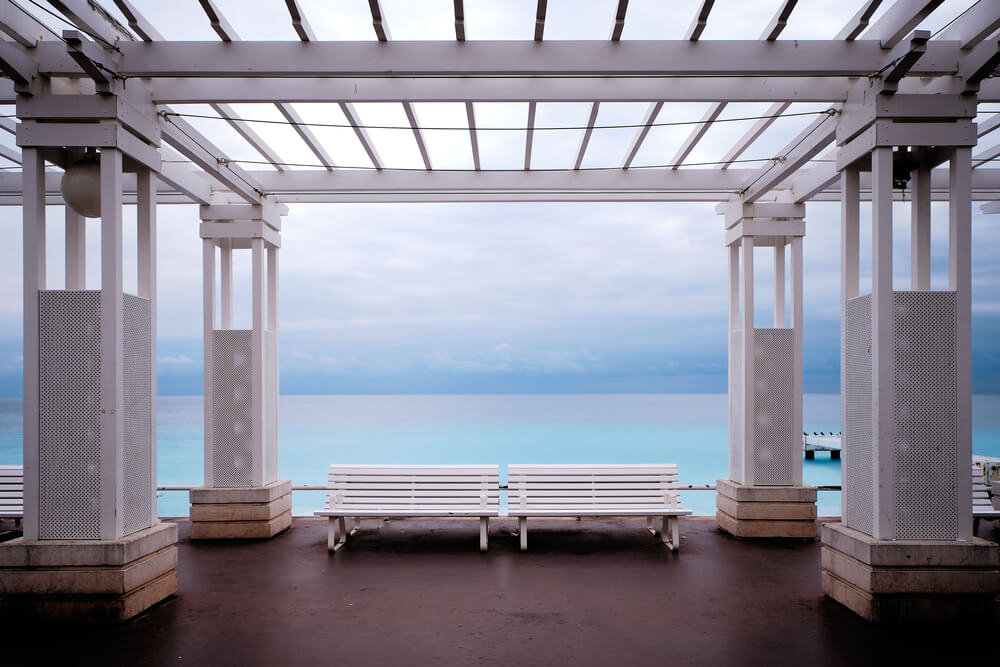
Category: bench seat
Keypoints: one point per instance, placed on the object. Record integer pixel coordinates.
(982, 507)
(12, 492)
(595, 490)
(395, 491)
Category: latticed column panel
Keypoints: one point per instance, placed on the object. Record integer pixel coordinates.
(72, 478)
(776, 446)
(924, 449)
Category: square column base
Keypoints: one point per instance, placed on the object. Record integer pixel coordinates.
(910, 581)
(259, 512)
(765, 511)
(89, 581)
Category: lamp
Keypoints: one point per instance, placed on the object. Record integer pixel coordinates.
(81, 186)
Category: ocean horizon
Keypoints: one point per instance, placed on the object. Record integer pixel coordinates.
(690, 430)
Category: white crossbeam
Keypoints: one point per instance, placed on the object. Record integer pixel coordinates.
(699, 131)
(859, 21)
(988, 155)
(418, 135)
(8, 125)
(529, 135)
(800, 150)
(98, 24)
(980, 63)
(979, 22)
(219, 23)
(299, 22)
(244, 130)
(495, 89)
(647, 124)
(899, 20)
(754, 132)
(594, 109)
(359, 131)
(780, 20)
(305, 133)
(137, 22)
(18, 24)
(502, 58)
(619, 24)
(700, 21)
(460, 20)
(11, 154)
(470, 113)
(540, 19)
(988, 125)
(378, 21)
(16, 64)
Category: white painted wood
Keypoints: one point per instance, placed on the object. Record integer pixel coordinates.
(225, 284)
(147, 268)
(470, 113)
(747, 352)
(111, 344)
(920, 228)
(33, 238)
(779, 285)
(594, 110)
(882, 344)
(362, 134)
(697, 133)
(529, 133)
(960, 280)
(418, 135)
(797, 332)
(12, 491)
(258, 296)
(76, 247)
(208, 315)
(849, 286)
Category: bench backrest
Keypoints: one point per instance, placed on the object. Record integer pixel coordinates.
(980, 491)
(591, 484)
(462, 487)
(12, 491)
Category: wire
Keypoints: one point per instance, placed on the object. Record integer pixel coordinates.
(221, 161)
(62, 18)
(498, 129)
(554, 169)
(782, 158)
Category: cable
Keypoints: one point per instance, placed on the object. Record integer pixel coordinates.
(498, 129)
(221, 161)
(554, 169)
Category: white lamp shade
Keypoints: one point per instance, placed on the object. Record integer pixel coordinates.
(81, 188)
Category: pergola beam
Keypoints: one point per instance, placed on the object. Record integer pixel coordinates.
(529, 135)
(979, 22)
(219, 23)
(299, 22)
(859, 21)
(251, 59)
(460, 20)
(98, 24)
(306, 134)
(418, 135)
(699, 131)
(647, 124)
(470, 113)
(378, 21)
(22, 27)
(754, 132)
(137, 22)
(619, 24)
(540, 19)
(700, 21)
(359, 131)
(243, 128)
(591, 120)
(800, 150)
(11, 154)
(899, 20)
(780, 20)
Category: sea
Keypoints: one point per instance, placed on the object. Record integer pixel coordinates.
(690, 430)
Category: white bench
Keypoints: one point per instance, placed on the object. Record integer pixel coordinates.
(982, 508)
(12, 493)
(648, 490)
(356, 491)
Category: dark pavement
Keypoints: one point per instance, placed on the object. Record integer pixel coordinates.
(594, 592)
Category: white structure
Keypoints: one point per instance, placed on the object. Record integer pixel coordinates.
(897, 98)
(241, 381)
(764, 495)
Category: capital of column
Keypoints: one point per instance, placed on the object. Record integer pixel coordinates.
(772, 223)
(240, 224)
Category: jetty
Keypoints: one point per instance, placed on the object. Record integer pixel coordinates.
(821, 442)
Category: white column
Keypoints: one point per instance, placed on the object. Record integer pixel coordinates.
(849, 287)
(796, 313)
(734, 382)
(257, 415)
(76, 248)
(33, 224)
(779, 285)
(208, 309)
(748, 360)
(111, 342)
(920, 228)
(146, 244)
(882, 343)
(960, 281)
(226, 283)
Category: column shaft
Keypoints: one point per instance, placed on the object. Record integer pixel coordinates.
(208, 308)
(920, 228)
(76, 248)
(850, 229)
(779, 285)
(259, 358)
(748, 359)
(146, 246)
(796, 348)
(960, 280)
(226, 283)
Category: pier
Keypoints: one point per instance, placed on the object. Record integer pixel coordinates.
(821, 442)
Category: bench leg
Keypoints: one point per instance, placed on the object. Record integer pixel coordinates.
(484, 532)
(650, 525)
(522, 528)
(336, 533)
(357, 525)
(975, 526)
(671, 526)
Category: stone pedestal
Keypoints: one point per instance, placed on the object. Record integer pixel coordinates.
(259, 512)
(766, 511)
(88, 580)
(900, 581)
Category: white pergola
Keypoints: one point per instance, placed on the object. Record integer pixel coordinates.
(901, 117)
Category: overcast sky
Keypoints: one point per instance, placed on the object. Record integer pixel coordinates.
(503, 297)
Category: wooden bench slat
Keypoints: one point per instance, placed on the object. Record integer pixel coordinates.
(401, 479)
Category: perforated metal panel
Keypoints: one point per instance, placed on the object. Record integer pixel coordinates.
(232, 401)
(776, 446)
(925, 413)
(137, 493)
(736, 407)
(270, 407)
(858, 445)
(69, 437)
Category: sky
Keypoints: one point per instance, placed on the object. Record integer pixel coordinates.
(512, 297)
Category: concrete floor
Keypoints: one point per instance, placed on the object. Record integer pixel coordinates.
(595, 592)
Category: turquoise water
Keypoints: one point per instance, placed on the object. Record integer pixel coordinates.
(687, 429)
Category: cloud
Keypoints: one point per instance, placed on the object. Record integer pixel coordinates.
(178, 360)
